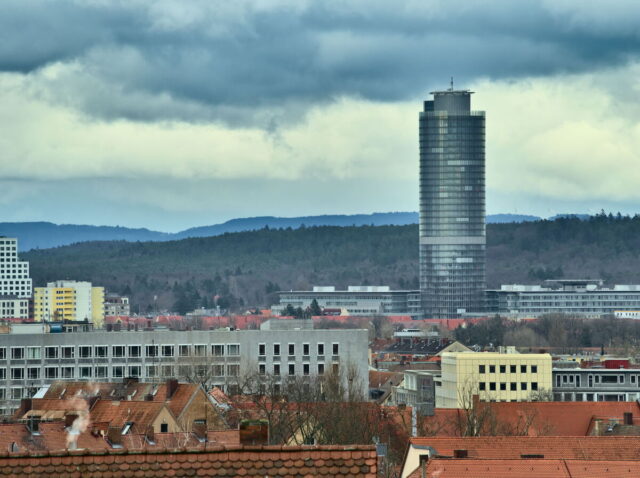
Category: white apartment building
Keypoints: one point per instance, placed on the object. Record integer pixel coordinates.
(15, 284)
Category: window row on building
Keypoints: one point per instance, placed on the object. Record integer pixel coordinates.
(291, 349)
(295, 369)
(503, 368)
(118, 351)
(507, 386)
(594, 380)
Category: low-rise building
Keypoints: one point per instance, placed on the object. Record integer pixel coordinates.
(588, 298)
(29, 361)
(417, 390)
(115, 305)
(492, 376)
(69, 300)
(356, 300)
(612, 381)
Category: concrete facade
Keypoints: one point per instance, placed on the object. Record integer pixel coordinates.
(596, 384)
(30, 361)
(503, 377)
(116, 305)
(579, 297)
(418, 389)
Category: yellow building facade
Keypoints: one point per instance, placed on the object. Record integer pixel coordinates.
(69, 300)
(492, 376)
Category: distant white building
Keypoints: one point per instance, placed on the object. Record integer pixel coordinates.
(15, 284)
(588, 298)
(356, 300)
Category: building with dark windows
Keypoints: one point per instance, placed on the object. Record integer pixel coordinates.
(452, 205)
(33, 356)
(587, 298)
(609, 381)
(356, 300)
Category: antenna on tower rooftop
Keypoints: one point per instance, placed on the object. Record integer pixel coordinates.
(451, 88)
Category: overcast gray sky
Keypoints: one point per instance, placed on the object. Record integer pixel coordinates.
(175, 114)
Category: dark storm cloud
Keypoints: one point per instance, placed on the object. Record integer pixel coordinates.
(244, 62)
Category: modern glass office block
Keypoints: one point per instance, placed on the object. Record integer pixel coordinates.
(452, 205)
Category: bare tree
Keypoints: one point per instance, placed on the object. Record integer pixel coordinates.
(476, 418)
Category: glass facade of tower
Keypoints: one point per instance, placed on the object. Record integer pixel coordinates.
(452, 205)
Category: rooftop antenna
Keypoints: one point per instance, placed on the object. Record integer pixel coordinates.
(451, 88)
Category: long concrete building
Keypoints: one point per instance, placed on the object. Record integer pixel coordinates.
(32, 357)
(355, 300)
(588, 298)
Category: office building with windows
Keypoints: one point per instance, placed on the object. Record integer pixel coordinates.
(15, 283)
(356, 300)
(596, 384)
(452, 205)
(29, 361)
(587, 298)
(492, 376)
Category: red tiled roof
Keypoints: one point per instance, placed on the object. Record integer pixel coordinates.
(132, 391)
(536, 418)
(378, 379)
(513, 447)
(274, 461)
(219, 396)
(539, 468)
(118, 413)
(224, 437)
(52, 436)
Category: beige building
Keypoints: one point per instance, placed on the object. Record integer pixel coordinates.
(493, 376)
(69, 300)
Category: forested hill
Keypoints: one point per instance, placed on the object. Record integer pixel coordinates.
(247, 267)
(43, 235)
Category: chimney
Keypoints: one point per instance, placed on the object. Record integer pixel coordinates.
(69, 418)
(114, 436)
(628, 418)
(200, 430)
(172, 386)
(26, 404)
(424, 459)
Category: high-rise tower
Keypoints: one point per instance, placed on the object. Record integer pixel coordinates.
(15, 283)
(452, 205)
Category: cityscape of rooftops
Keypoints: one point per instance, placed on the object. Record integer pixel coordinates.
(332, 238)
